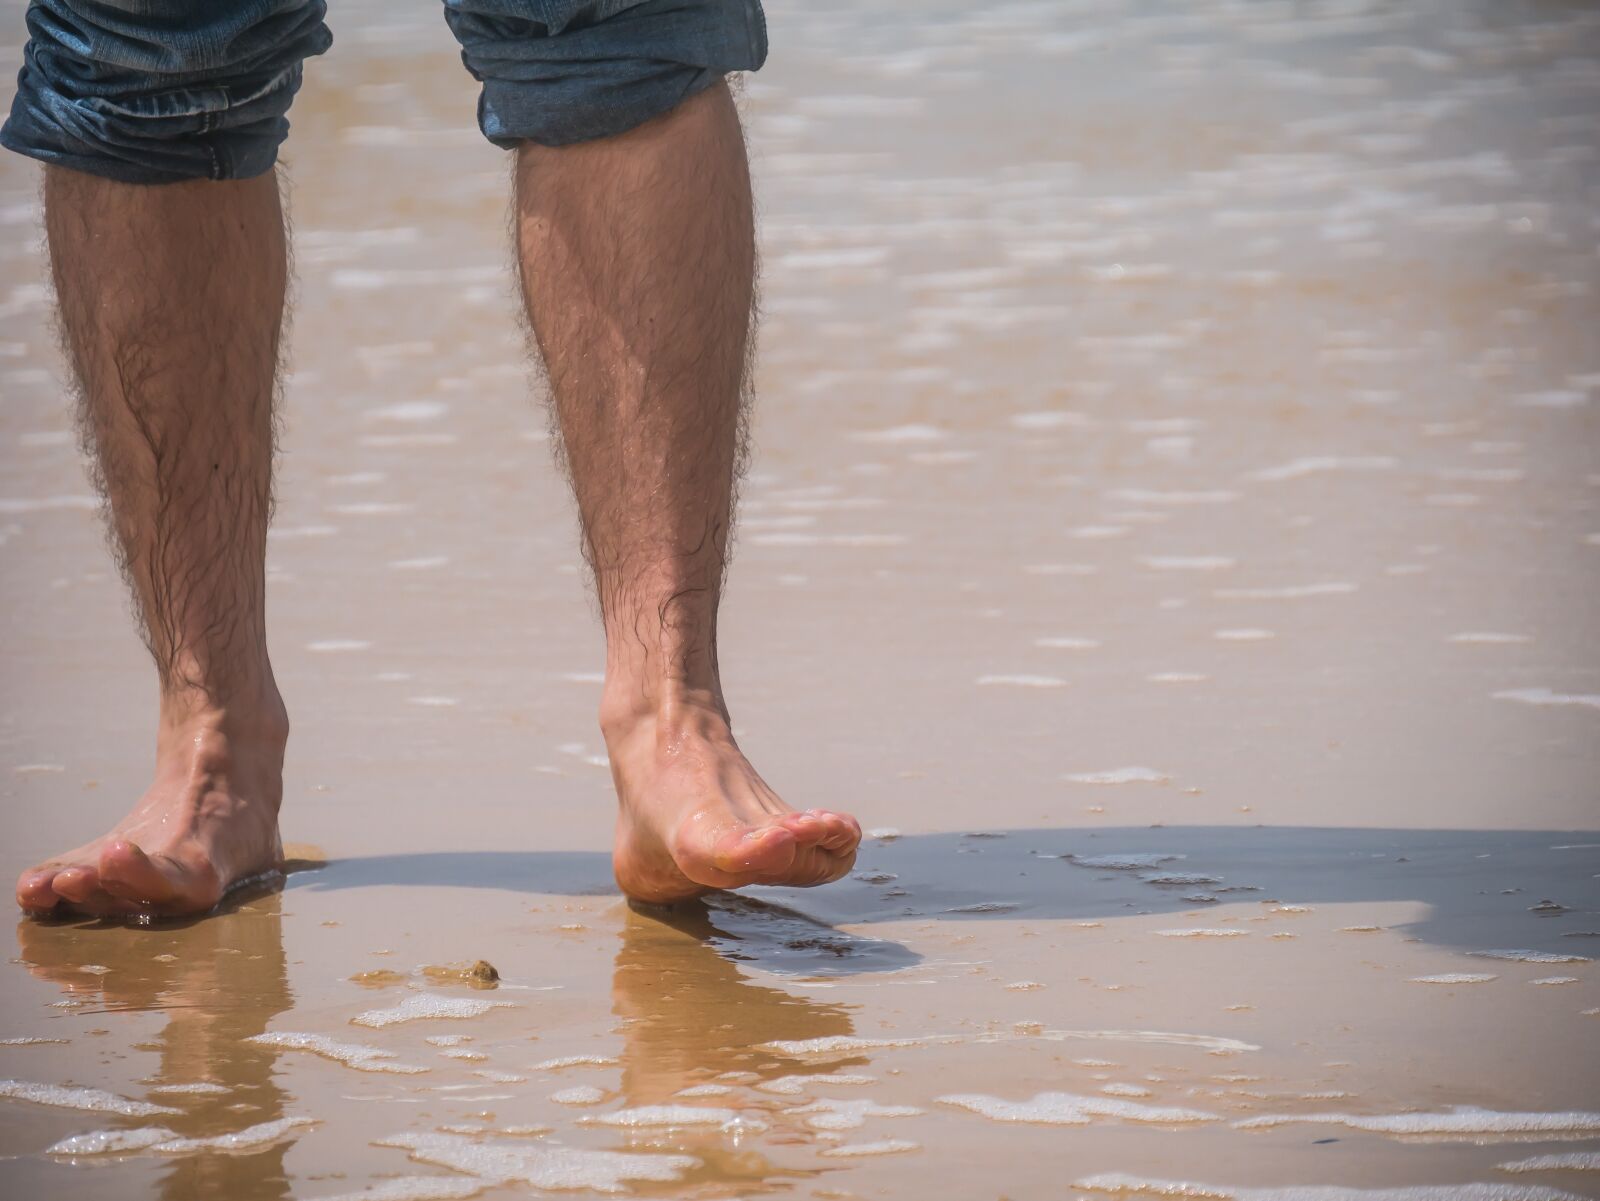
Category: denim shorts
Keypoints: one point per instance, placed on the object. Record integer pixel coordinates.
(159, 91)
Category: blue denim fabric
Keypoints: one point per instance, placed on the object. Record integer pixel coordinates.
(157, 91)
(561, 71)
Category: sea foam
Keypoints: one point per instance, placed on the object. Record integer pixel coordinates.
(93, 1099)
(427, 1005)
(1068, 1109)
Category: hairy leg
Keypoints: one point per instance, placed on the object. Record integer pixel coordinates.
(171, 303)
(638, 266)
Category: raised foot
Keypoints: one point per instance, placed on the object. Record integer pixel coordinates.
(695, 817)
(208, 822)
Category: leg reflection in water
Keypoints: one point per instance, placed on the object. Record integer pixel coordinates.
(692, 1019)
(218, 982)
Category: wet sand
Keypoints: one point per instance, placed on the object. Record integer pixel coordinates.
(1174, 530)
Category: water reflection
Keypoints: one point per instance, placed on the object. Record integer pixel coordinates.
(691, 1017)
(218, 982)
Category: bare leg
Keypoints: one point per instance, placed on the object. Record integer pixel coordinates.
(171, 300)
(638, 263)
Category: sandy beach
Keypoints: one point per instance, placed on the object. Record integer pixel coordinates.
(1173, 529)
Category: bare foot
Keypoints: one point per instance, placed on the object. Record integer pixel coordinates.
(695, 816)
(209, 822)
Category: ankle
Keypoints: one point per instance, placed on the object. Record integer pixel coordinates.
(667, 713)
(202, 718)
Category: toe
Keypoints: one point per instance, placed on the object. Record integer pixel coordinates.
(808, 828)
(76, 884)
(767, 850)
(34, 893)
(844, 833)
(128, 873)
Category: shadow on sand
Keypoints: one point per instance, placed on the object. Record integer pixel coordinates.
(1496, 888)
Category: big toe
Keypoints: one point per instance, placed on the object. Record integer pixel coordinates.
(764, 850)
(34, 893)
(128, 873)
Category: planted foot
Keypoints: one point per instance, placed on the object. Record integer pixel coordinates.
(208, 823)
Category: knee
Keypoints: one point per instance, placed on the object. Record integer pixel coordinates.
(158, 91)
(562, 71)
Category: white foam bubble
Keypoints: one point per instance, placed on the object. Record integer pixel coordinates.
(43, 504)
(1068, 1109)
(705, 1090)
(1462, 1121)
(1178, 878)
(836, 1044)
(540, 1166)
(888, 1146)
(1489, 637)
(1202, 932)
(1047, 420)
(582, 1094)
(1066, 644)
(1455, 978)
(1122, 863)
(112, 1142)
(353, 1055)
(1311, 465)
(1121, 775)
(795, 1085)
(574, 1061)
(166, 1142)
(1572, 1161)
(1555, 980)
(1555, 398)
(831, 1114)
(1187, 562)
(902, 434)
(1522, 956)
(1215, 1044)
(196, 1088)
(1147, 496)
(410, 411)
(1243, 635)
(422, 1006)
(1022, 681)
(1546, 696)
(648, 1116)
(1115, 1089)
(94, 1100)
(336, 645)
(1292, 592)
(1175, 677)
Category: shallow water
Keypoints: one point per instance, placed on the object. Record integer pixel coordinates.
(1175, 530)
